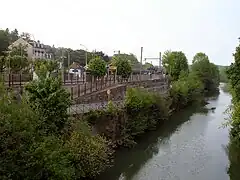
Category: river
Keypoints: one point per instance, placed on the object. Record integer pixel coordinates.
(191, 146)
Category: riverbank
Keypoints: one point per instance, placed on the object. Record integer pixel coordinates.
(191, 145)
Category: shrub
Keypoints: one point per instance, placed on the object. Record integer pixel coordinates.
(50, 101)
(186, 90)
(89, 154)
(97, 67)
(17, 132)
(124, 67)
(145, 110)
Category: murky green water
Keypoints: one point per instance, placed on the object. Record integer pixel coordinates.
(190, 147)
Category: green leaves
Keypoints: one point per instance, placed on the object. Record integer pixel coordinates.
(174, 62)
(17, 63)
(124, 68)
(206, 71)
(97, 67)
(48, 98)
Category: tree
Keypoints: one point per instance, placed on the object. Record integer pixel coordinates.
(233, 75)
(207, 72)
(17, 63)
(97, 67)
(130, 57)
(199, 57)
(223, 73)
(17, 59)
(49, 100)
(4, 42)
(124, 68)
(174, 62)
(26, 36)
(13, 36)
(147, 66)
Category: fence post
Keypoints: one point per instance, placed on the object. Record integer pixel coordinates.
(9, 79)
(91, 86)
(20, 79)
(12, 79)
(79, 90)
(85, 87)
(71, 93)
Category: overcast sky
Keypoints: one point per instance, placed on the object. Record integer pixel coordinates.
(210, 26)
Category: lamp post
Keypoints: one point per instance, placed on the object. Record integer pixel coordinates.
(85, 73)
(86, 50)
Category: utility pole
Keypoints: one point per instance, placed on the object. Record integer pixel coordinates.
(62, 66)
(160, 60)
(141, 62)
(68, 65)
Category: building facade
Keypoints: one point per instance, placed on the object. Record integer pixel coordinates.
(34, 49)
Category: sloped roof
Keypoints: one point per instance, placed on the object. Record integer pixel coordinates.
(75, 65)
(19, 41)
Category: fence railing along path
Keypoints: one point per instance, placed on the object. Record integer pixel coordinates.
(88, 87)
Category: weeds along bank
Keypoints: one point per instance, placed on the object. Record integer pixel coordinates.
(234, 144)
(143, 111)
(38, 140)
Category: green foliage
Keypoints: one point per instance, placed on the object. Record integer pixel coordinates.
(50, 100)
(145, 110)
(17, 59)
(124, 68)
(44, 68)
(207, 72)
(2, 63)
(199, 57)
(223, 73)
(132, 59)
(234, 144)
(17, 63)
(174, 62)
(186, 90)
(17, 124)
(29, 149)
(147, 66)
(97, 67)
(89, 154)
(4, 42)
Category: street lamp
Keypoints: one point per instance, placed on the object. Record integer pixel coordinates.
(86, 50)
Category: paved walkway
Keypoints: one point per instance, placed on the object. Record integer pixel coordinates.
(84, 108)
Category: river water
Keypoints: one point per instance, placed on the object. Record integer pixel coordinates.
(191, 146)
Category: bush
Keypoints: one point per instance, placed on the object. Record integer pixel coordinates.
(124, 67)
(17, 132)
(89, 154)
(97, 67)
(186, 90)
(145, 110)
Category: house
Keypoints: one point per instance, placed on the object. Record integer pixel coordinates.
(34, 49)
(76, 69)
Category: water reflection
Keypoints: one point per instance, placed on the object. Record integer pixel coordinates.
(188, 146)
(128, 162)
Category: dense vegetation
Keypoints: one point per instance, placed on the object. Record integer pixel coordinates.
(38, 139)
(143, 111)
(234, 145)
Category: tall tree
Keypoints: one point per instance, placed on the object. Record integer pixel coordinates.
(13, 36)
(199, 56)
(129, 57)
(97, 67)
(175, 62)
(4, 42)
(206, 71)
